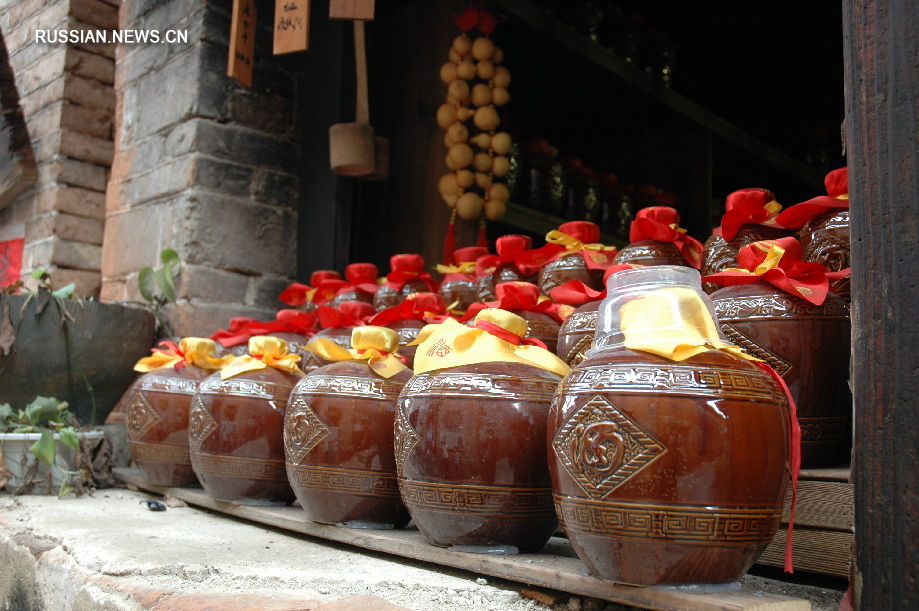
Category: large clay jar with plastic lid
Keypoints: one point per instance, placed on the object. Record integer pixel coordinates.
(459, 282)
(338, 433)
(572, 263)
(361, 284)
(406, 276)
(157, 412)
(669, 454)
(655, 238)
(470, 430)
(808, 345)
(236, 426)
(576, 333)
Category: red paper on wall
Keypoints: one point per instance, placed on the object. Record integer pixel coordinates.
(10, 261)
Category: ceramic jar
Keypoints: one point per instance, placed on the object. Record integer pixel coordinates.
(571, 266)
(665, 471)
(507, 271)
(236, 434)
(808, 345)
(470, 456)
(826, 240)
(338, 435)
(719, 254)
(460, 287)
(406, 276)
(576, 333)
(361, 284)
(542, 327)
(650, 252)
(407, 331)
(157, 425)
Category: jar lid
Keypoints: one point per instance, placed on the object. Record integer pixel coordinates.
(660, 309)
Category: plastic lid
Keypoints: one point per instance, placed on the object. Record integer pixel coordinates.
(672, 303)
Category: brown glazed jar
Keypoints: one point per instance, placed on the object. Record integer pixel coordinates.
(826, 240)
(470, 456)
(486, 285)
(236, 434)
(157, 425)
(650, 252)
(572, 266)
(510, 248)
(720, 254)
(808, 345)
(577, 332)
(459, 283)
(406, 276)
(407, 331)
(338, 434)
(542, 327)
(664, 471)
(361, 284)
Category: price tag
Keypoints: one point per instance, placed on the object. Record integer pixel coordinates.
(291, 26)
(359, 10)
(242, 42)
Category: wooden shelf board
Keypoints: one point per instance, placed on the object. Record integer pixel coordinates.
(556, 567)
(823, 504)
(818, 551)
(568, 37)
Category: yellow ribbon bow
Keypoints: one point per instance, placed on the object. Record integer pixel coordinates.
(264, 351)
(452, 344)
(572, 244)
(466, 267)
(673, 323)
(197, 351)
(376, 345)
(774, 254)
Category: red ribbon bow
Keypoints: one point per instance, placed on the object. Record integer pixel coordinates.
(473, 18)
(408, 267)
(502, 333)
(575, 292)
(360, 276)
(322, 287)
(661, 223)
(241, 328)
(347, 314)
(515, 297)
(809, 281)
(836, 198)
(429, 307)
(517, 250)
(742, 207)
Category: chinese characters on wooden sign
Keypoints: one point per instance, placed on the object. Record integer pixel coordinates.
(291, 26)
(242, 41)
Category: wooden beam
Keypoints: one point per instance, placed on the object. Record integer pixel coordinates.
(556, 567)
(881, 52)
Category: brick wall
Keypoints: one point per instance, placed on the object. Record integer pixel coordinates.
(202, 165)
(67, 100)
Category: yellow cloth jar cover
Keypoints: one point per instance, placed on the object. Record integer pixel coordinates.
(497, 335)
(197, 351)
(264, 351)
(376, 345)
(673, 323)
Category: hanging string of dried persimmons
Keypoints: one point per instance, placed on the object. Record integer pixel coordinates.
(476, 152)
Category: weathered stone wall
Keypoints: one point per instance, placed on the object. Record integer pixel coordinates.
(202, 165)
(67, 101)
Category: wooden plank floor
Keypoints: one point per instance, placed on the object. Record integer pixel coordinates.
(556, 567)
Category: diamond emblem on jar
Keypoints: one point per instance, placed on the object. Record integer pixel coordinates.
(303, 430)
(601, 447)
(200, 423)
(141, 416)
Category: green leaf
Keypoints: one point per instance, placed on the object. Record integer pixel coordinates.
(39, 274)
(6, 410)
(65, 488)
(145, 283)
(69, 437)
(166, 284)
(24, 429)
(170, 258)
(65, 292)
(44, 408)
(43, 449)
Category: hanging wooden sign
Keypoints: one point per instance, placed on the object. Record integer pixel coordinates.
(291, 26)
(242, 42)
(361, 10)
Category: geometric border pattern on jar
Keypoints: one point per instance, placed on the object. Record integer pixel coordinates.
(244, 388)
(169, 384)
(239, 466)
(480, 385)
(498, 501)
(697, 524)
(335, 385)
(160, 453)
(361, 482)
(672, 379)
(737, 309)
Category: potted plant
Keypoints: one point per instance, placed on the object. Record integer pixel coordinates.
(42, 449)
(54, 343)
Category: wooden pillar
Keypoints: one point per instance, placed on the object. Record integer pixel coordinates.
(882, 124)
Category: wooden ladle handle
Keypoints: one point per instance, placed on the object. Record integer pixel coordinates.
(362, 109)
